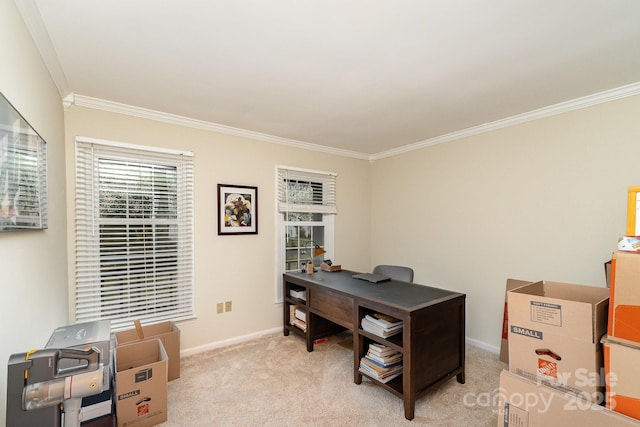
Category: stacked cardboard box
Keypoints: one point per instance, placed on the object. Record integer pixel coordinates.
(554, 336)
(167, 332)
(555, 357)
(624, 311)
(525, 403)
(141, 384)
(622, 343)
(622, 375)
(147, 357)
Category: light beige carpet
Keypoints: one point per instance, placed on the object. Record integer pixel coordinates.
(274, 381)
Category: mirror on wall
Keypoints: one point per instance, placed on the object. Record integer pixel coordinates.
(23, 172)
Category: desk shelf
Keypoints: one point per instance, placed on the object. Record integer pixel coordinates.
(317, 326)
(394, 341)
(364, 338)
(394, 386)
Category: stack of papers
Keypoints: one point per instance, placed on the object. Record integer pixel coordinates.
(381, 325)
(298, 317)
(300, 293)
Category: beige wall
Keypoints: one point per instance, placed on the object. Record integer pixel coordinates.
(545, 200)
(33, 272)
(241, 269)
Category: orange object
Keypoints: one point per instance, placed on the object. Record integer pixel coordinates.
(627, 322)
(632, 208)
(624, 299)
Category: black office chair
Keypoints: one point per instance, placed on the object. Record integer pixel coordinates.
(395, 272)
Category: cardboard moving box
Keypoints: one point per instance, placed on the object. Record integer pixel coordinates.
(554, 335)
(167, 332)
(621, 361)
(141, 384)
(504, 344)
(624, 307)
(524, 403)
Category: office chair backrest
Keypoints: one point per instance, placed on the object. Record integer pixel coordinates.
(395, 272)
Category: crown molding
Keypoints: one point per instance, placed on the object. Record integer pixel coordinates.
(33, 21)
(552, 110)
(115, 107)
(563, 107)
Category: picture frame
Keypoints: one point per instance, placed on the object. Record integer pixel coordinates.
(237, 209)
(23, 173)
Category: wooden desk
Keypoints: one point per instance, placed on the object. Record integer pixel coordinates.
(432, 340)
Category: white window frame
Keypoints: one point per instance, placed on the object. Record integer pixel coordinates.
(90, 295)
(326, 207)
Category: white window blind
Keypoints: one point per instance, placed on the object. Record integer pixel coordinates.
(134, 233)
(301, 190)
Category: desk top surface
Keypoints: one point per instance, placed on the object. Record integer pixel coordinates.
(409, 296)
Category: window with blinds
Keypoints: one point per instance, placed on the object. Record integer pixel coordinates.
(306, 201)
(134, 233)
(301, 190)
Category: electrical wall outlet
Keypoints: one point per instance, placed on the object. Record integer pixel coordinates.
(227, 306)
(220, 308)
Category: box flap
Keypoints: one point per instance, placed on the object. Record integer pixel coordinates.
(139, 330)
(565, 291)
(138, 354)
(560, 308)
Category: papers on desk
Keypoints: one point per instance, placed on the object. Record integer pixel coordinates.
(381, 325)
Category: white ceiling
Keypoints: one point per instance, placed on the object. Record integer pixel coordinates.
(365, 76)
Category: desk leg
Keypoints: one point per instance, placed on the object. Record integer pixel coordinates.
(357, 377)
(462, 333)
(358, 349)
(409, 407)
(310, 334)
(408, 377)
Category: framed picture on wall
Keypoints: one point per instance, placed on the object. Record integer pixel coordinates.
(23, 173)
(237, 209)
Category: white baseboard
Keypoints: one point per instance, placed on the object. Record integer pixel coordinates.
(227, 342)
(483, 345)
(244, 338)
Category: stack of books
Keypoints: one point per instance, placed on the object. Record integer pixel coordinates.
(298, 317)
(381, 362)
(300, 293)
(381, 325)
